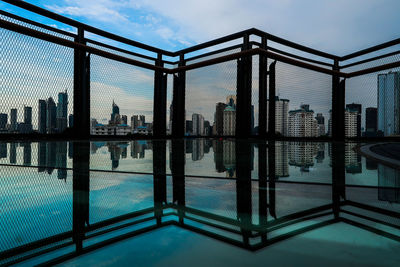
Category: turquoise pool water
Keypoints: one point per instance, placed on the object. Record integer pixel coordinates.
(196, 203)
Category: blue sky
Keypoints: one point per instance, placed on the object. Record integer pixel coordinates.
(337, 27)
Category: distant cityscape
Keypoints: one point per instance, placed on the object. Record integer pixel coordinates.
(383, 120)
(52, 117)
(306, 157)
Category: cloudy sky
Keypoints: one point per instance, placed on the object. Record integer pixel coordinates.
(337, 27)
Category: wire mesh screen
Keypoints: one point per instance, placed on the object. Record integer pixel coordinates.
(303, 101)
(121, 98)
(211, 100)
(372, 101)
(112, 196)
(35, 197)
(37, 85)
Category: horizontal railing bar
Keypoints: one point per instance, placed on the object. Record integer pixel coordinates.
(256, 51)
(70, 34)
(71, 22)
(250, 52)
(212, 53)
(297, 46)
(371, 49)
(66, 20)
(374, 69)
(370, 59)
(120, 49)
(293, 55)
(64, 42)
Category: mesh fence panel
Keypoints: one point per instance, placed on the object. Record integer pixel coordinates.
(112, 196)
(211, 100)
(35, 197)
(301, 95)
(121, 95)
(372, 101)
(37, 84)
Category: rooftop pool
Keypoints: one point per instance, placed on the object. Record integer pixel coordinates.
(197, 202)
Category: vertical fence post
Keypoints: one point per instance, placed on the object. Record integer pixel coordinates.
(262, 188)
(80, 186)
(160, 101)
(262, 90)
(177, 159)
(338, 106)
(178, 102)
(271, 101)
(81, 126)
(243, 93)
(160, 179)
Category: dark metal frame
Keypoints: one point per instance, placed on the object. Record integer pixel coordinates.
(330, 64)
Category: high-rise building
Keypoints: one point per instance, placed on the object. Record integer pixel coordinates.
(302, 122)
(124, 119)
(231, 101)
(142, 120)
(389, 103)
(351, 122)
(320, 124)
(13, 153)
(3, 121)
(28, 115)
(42, 116)
(115, 111)
(371, 121)
(134, 122)
(62, 111)
(13, 120)
(207, 128)
(229, 120)
(281, 115)
(198, 124)
(51, 120)
(358, 108)
(219, 118)
(71, 120)
(189, 127)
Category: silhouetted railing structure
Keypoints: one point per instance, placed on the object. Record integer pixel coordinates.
(91, 210)
(341, 88)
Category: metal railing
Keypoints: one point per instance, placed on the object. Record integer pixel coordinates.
(204, 56)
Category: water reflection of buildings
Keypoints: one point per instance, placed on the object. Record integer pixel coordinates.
(302, 154)
(53, 155)
(388, 184)
(352, 159)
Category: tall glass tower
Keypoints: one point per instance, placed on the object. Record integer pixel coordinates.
(389, 103)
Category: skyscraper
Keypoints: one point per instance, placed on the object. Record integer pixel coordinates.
(302, 122)
(42, 116)
(134, 122)
(115, 111)
(71, 120)
(124, 119)
(358, 108)
(3, 121)
(371, 121)
(28, 115)
(231, 101)
(229, 120)
(62, 111)
(198, 124)
(51, 120)
(321, 124)
(389, 103)
(351, 122)
(281, 115)
(13, 119)
(219, 118)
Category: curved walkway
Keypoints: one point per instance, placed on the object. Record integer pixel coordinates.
(385, 153)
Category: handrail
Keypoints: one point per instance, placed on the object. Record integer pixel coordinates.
(255, 51)
(370, 59)
(74, 23)
(371, 49)
(77, 24)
